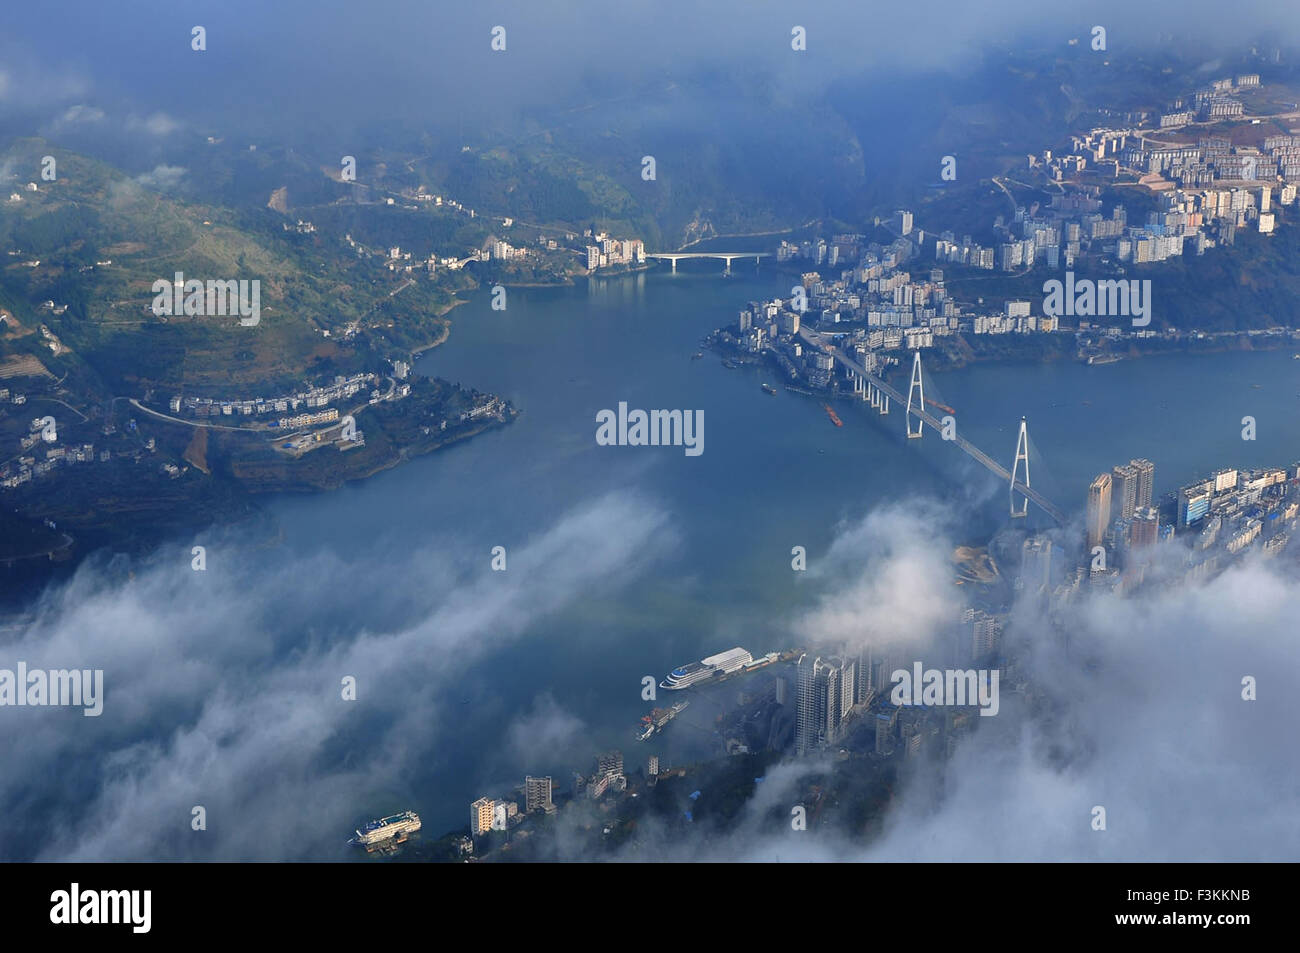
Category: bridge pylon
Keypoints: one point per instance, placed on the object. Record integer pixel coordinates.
(1022, 453)
(915, 387)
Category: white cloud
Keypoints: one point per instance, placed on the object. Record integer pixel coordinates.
(161, 177)
(155, 124)
(1138, 710)
(223, 688)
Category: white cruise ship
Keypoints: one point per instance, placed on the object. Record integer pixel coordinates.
(724, 663)
(387, 828)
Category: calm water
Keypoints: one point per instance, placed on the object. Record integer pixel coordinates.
(774, 473)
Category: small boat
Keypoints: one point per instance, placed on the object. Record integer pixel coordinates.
(769, 389)
(697, 355)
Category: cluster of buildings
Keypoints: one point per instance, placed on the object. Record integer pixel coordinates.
(1211, 103)
(500, 250)
(1187, 221)
(537, 795)
(30, 187)
(397, 259)
(605, 252)
(1214, 159)
(308, 420)
(1119, 510)
(312, 399)
(882, 309)
(1225, 515)
(608, 775)
(840, 694)
(1221, 188)
(1017, 317)
(1235, 509)
(490, 814)
(34, 462)
(28, 467)
(437, 201)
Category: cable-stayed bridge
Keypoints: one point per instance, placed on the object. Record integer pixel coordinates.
(875, 390)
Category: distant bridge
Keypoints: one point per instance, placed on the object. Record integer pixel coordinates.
(878, 393)
(727, 256)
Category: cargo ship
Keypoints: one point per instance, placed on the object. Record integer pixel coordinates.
(713, 667)
(835, 418)
(769, 389)
(654, 722)
(395, 828)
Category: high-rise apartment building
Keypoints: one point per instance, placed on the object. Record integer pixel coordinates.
(1123, 491)
(848, 688)
(481, 813)
(827, 691)
(1146, 478)
(981, 631)
(609, 764)
(1145, 528)
(1194, 502)
(828, 700)
(862, 687)
(884, 734)
(1098, 518)
(805, 732)
(1036, 564)
(537, 793)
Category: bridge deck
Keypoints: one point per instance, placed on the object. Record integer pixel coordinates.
(709, 254)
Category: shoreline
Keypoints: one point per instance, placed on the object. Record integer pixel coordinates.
(445, 332)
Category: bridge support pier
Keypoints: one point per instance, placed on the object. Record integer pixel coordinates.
(1022, 453)
(674, 263)
(884, 405)
(918, 388)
